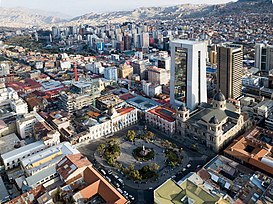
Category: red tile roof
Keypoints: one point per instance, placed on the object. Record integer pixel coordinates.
(126, 96)
(158, 111)
(97, 184)
(26, 85)
(93, 184)
(238, 150)
(123, 111)
(30, 196)
(75, 159)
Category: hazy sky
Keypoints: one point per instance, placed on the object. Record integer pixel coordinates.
(79, 7)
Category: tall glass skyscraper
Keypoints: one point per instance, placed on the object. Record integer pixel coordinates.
(188, 73)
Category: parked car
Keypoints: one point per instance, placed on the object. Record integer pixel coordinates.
(102, 171)
(131, 197)
(121, 181)
(120, 190)
(125, 193)
(108, 179)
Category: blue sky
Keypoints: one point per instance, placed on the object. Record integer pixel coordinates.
(79, 7)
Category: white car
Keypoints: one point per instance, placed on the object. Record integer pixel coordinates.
(184, 169)
(103, 172)
(188, 165)
(131, 197)
(108, 179)
(121, 181)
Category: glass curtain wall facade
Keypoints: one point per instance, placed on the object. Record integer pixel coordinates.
(181, 58)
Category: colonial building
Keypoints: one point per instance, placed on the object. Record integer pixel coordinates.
(125, 71)
(161, 118)
(104, 125)
(213, 125)
(254, 148)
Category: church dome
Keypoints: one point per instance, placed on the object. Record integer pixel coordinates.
(219, 96)
(214, 120)
(182, 107)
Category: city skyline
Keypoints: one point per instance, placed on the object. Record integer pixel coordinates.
(69, 8)
(154, 102)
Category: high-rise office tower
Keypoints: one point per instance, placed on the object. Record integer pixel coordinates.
(188, 73)
(145, 40)
(127, 42)
(264, 57)
(229, 69)
(212, 49)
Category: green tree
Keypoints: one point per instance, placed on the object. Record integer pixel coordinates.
(114, 141)
(154, 167)
(101, 148)
(146, 168)
(136, 175)
(111, 160)
(131, 167)
(150, 134)
(131, 135)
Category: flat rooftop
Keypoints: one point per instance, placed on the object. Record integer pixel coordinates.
(142, 103)
(187, 42)
(22, 151)
(47, 157)
(82, 84)
(109, 99)
(7, 143)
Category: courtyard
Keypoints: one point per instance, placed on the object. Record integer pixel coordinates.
(126, 158)
(142, 189)
(140, 157)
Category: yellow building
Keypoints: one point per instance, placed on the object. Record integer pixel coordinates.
(125, 71)
(190, 190)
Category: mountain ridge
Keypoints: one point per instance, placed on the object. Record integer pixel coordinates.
(18, 17)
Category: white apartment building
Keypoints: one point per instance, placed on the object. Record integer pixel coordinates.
(151, 89)
(4, 68)
(40, 168)
(264, 57)
(9, 98)
(19, 106)
(72, 102)
(26, 123)
(12, 159)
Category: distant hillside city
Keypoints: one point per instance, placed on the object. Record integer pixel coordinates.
(155, 105)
